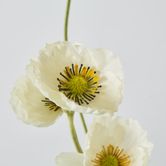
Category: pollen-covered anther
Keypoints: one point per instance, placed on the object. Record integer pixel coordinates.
(51, 105)
(111, 156)
(79, 83)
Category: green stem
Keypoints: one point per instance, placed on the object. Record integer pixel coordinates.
(73, 131)
(66, 20)
(83, 122)
(71, 114)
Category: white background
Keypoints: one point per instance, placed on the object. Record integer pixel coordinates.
(133, 29)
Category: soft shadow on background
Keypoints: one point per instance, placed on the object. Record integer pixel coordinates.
(135, 30)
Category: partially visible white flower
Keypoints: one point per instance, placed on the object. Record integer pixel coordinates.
(31, 106)
(69, 159)
(78, 78)
(116, 141)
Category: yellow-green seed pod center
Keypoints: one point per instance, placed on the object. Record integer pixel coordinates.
(77, 85)
(110, 161)
(111, 156)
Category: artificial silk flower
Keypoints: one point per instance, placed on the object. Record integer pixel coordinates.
(31, 106)
(78, 78)
(113, 141)
(69, 159)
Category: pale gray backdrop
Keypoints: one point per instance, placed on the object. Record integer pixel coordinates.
(134, 29)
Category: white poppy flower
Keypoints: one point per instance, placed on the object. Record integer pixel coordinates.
(113, 141)
(78, 78)
(31, 106)
(69, 159)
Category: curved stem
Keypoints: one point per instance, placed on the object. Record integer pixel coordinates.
(73, 131)
(66, 20)
(70, 115)
(83, 122)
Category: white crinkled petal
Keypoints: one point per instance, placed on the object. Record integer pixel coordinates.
(111, 80)
(27, 104)
(55, 57)
(126, 134)
(69, 159)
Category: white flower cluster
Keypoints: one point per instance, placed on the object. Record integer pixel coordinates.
(69, 77)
